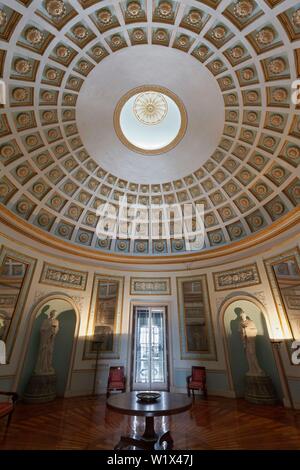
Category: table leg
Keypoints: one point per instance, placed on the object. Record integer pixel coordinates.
(149, 433)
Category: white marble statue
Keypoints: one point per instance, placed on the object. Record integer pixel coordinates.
(48, 331)
(248, 333)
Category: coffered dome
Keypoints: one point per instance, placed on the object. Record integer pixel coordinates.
(227, 66)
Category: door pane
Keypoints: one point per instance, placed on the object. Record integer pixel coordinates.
(142, 347)
(150, 369)
(158, 347)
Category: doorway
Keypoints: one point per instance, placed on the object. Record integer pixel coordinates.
(150, 370)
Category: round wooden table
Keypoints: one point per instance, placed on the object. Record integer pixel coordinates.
(167, 404)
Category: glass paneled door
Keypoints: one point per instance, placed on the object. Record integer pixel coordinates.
(150, 364)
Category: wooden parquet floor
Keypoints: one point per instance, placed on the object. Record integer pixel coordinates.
(216, 423)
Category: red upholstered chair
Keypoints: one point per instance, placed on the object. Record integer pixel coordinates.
(7, 407)
(197, 381)
(116, 380)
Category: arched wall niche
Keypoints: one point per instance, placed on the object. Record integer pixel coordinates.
(66, 340)
(235, 357)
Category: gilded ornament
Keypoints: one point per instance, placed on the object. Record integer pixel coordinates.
(47, 96)
(252, 116)
(4, 190)
(42, 159)
(269, 142)
(83, 238)
(261, 189)
(34, 36)
(150, 108)
(80, 32)
(63, 52)
(48, 116)
(56, 201)
(183, 41)
(216, 237)
(20, 94)
(280, 94)
(265, 36)
(43, 220)
(83, 66)
(74, 212)
(56, 8)
(293, 152)
(23, 66)
(51, 74)
(218, 33)
(38, 188)
(22, 171)
(277, 66)
(133, 9)
(63, 230)
(252, 96)
(122, 245)
(31, 140)
(159, 246)
(104, 16)
(236, 231)
(248, 74)
(278, 208)
(276, 120)
(194, 17)
(53, 133)
(98, 51)
(60, 149)
(217, 65)
(138, 35)
(116, 40)
(202, 51)
(161, 35)
(257, 221)
(296, 18)
(237, 52)
(243, 9)
(3, 18)
(91, 219)
(140, 247)
(277, 172)
(165, 9)
(22, 207)
(23, 119)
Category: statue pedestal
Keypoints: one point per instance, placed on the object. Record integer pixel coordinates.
(40, 389)
(259, 389)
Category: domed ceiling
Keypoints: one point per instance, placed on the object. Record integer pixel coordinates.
(67, 65)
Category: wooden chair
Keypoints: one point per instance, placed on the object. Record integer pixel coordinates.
(197, 381)
(7, 407)
(116, 380)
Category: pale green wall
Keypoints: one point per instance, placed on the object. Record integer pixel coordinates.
(237, 356)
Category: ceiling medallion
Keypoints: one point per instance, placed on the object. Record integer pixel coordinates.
(56, 8)
(150, 108)
(150, 120)
(34, 36)
(243, 8)
(133, 9)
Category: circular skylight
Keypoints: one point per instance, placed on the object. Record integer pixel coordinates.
(150, 120)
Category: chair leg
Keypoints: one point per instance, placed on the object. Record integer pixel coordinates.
(107, 394)
(188, 392)
(9, 419)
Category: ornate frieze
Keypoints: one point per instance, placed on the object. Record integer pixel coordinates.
(236, 278)
(58, 276)
(146, 286)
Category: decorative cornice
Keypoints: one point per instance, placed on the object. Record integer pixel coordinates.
(287, 222)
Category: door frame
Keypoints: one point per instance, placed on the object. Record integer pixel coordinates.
(147, 304)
